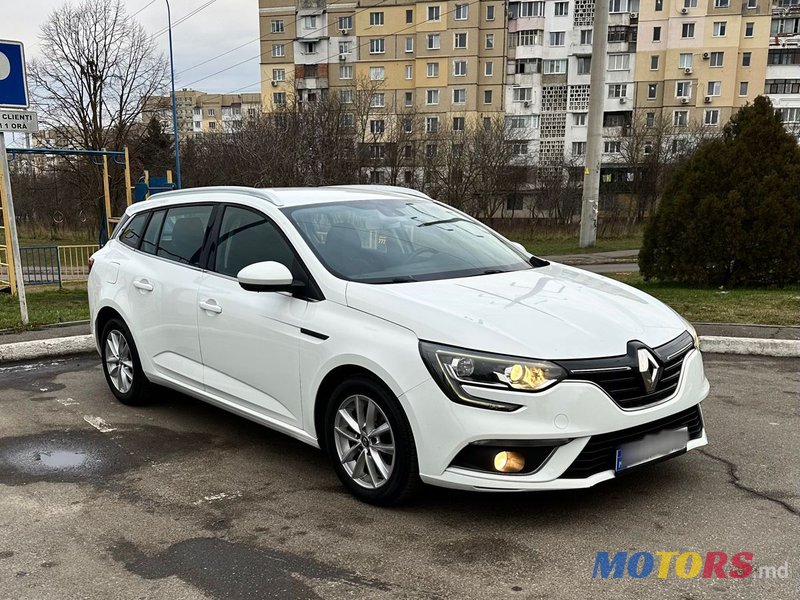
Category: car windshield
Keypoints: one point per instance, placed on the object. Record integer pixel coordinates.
(397, 241)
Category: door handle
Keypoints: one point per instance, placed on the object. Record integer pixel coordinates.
(211, 306)
(143, 284)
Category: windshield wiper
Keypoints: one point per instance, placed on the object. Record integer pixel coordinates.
(442, 221)
(493, 271)
(398, 279)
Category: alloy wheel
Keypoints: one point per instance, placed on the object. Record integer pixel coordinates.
(364, 441)
(119, 361)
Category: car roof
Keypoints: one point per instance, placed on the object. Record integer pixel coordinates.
(289, 197)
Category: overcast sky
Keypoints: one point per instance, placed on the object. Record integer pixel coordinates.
(218, 28)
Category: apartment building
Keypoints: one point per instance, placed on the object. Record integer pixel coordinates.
(201, 112)
(782, 83)
(699, 61)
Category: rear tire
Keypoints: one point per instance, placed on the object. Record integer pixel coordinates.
(370, 442)
(121, 365)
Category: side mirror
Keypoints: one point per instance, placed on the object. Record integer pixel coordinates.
(267, 276)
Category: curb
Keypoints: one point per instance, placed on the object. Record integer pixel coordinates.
(81, 344)
(752, 346)
(64, 346)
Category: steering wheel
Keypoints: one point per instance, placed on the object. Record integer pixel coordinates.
(414, 256)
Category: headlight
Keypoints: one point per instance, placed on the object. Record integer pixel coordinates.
(454, 369)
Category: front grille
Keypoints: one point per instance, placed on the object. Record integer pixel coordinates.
(620, 378)
(600, 453)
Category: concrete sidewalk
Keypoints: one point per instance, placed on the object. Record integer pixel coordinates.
(614, 261)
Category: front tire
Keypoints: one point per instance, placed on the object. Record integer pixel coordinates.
(370, 442)
(121, 365)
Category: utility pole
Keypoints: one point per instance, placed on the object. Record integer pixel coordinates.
(594, 142)
(174, 103)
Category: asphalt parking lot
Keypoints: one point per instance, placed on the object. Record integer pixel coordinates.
(182, 500)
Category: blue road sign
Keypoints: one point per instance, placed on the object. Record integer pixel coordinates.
(13, 82)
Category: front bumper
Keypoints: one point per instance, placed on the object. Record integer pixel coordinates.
(571, 409)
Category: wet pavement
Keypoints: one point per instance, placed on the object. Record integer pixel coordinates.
(181, 500)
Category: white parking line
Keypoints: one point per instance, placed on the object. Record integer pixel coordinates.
(99, 424)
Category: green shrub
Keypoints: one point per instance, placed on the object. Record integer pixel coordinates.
(730, 216)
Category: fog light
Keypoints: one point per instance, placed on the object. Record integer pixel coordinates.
(509, 462)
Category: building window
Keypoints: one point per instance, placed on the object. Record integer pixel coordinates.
(717, 59)
(408, 125)
(346, 96)
(719, 28)
(517, 122)
(210, 112)
(409, 44)
(556, 66)
(584, 65)
(687, 30)
(689, 3)
(519, 148)
(431, 124)
(433, 69)
(680, 118)
(347, 120)
(711, 117)
(431, 97)
(377, 100)
(618, 6)
(310, 22)
(489, 42)
(377, 126)
(462, 12)
(377, 151)
(345, 71)
(531, 9)
(659, 5)
(743, 88)
(278, 74)
(722, 3)
(654, 62)
(430, 150)
(650, 119)
(619, 62)
(490, 12)
(618, 90)
(488, 69)
(714, 88)
(310, 47)
(789, 115)
(409, 71)
(748, 29)
(409, 99)
(278, 26)
(522, 94)
(377, 73)
(530, 37)
(458, 123)
(652, 91)
(377, 46)
(487, 97)
(557, 38)
(434, 41)
(434, 13)
(459, 96)
(460, 68)
(346, 23)
(612, 146)
(460, 40)
(277, 50)
(279, 98)
(376, 18)
(578, 148)
(656, 34)
(561, 9)
(746, 58)
(685, 60)
(579, 119)
(409, 16)
(375, 177)
(586, 36)
(683, 89)
(345, 47)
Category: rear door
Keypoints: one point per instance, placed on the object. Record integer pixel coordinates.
(163, 282)
(251, 342)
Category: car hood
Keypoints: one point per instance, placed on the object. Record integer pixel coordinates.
(552, 312)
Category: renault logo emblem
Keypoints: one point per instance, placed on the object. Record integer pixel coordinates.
(649, 368)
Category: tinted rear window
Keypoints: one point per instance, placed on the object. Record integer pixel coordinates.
(132, 234)
(183, 233)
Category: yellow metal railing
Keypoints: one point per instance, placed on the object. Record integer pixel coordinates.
(74, 261)
(5, 280)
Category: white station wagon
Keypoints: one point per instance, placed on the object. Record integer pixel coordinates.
(407, 340)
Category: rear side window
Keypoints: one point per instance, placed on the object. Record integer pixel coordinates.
(150, 240)
(247, 237)
(183, 233)
(132, 234)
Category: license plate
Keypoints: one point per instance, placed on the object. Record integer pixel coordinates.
(651, 447)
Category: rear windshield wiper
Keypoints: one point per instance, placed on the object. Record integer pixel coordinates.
(442, 221)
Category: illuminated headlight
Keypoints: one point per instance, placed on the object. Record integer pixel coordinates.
(454, 369)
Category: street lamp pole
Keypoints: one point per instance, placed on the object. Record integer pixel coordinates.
(174, 103)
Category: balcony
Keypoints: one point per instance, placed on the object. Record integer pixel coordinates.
(311, 83)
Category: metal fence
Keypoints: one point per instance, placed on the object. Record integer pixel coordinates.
(55, 265)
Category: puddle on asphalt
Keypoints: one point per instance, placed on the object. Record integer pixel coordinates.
(61, 459)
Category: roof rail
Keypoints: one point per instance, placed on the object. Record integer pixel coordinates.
(226, 189)
(386, 189)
